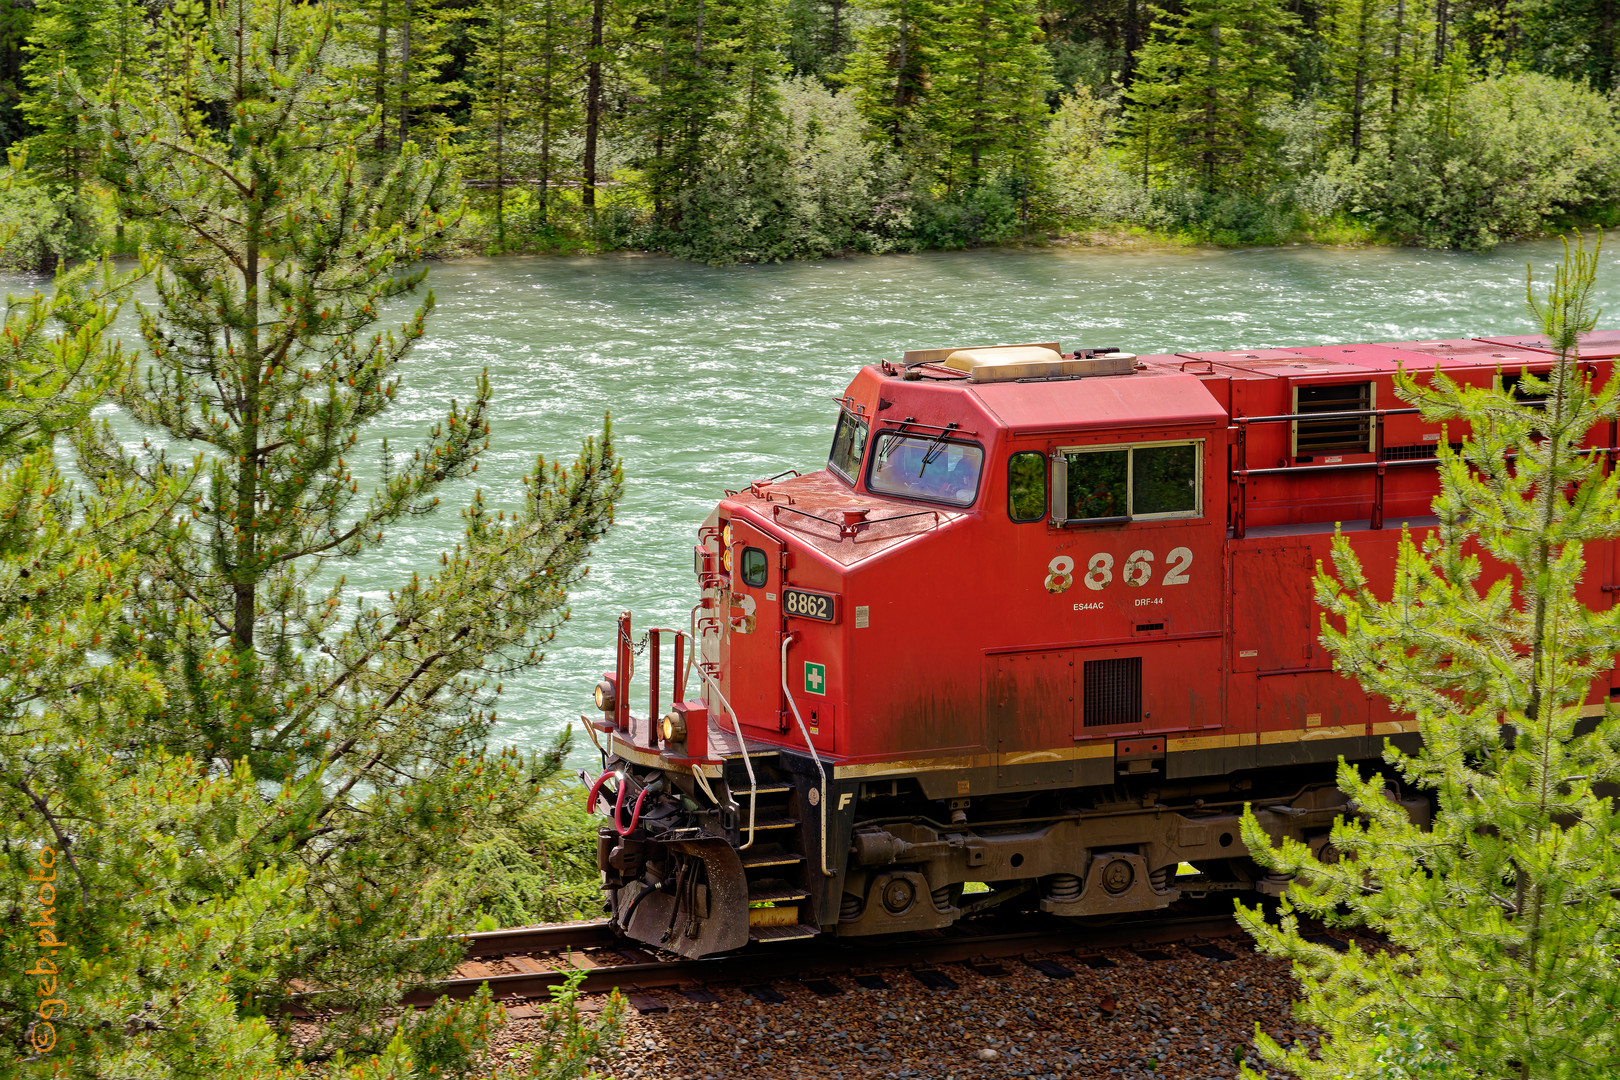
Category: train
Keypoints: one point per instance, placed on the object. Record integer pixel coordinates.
(1034, 636)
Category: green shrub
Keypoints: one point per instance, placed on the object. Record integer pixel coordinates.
(815, 186)
(1088, 180)
(39, 230)
(1231, 218)
(1091, 181)
(986, 214)
(539, 868)
(1493, 160)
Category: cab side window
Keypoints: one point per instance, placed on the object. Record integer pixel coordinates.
(1125, 483)
(1099, 484)
(1164, 480)
(1026, 486)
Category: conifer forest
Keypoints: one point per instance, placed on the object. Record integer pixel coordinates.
(727, 130)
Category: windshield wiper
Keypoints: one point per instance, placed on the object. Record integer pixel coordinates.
(937, 447)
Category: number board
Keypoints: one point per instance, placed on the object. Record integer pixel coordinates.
(810, 605)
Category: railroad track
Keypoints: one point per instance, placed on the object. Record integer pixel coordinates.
(523, 964)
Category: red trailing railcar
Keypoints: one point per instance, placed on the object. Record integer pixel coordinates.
(1045, 622)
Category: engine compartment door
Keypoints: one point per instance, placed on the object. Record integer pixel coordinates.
(1029, 709)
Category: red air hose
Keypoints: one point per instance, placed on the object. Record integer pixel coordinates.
(596, 789)
(635, 814)
(618, 803)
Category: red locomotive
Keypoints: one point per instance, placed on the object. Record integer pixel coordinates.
(1044, 622)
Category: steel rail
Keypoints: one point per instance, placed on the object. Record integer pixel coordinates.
(549, 937)
(1045, 935)
(786, 962)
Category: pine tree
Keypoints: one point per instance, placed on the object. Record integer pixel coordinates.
(990, 104)
(597, 56)
(422, 94)
(711, 68)
(739, 207)
(675, 42)
(1209, 78)
(65, 565)
(819, 36)
(757, 35)
(898, 48)
(1502, 915)
(1143, 136)
(117, 966)
(180, 37)
(277, 248)
(397, 51)
(88, 41)
(1356, 57)
(16, 20)
(556, 38)
(495, 102)
(63, 38)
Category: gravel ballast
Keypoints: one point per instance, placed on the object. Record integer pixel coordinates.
(1184, 1017)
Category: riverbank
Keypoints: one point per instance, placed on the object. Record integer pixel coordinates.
(1106, 236)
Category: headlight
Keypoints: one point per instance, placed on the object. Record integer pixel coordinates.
(725, 537)
(725, 559)
(604, 695)
(674, 727)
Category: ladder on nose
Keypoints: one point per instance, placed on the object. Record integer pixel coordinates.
(776, 867)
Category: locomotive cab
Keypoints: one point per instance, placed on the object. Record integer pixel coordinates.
(1044, 621)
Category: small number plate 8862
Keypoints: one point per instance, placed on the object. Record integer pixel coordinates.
(810, 605)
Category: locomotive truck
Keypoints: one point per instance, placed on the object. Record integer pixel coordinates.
(1042, 626)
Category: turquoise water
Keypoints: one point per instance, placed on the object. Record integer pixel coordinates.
(719, 376)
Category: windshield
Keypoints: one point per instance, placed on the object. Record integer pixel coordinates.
(849, 443)
(924, 467)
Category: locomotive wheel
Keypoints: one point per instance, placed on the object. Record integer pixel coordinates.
(899, 895)
(1117, 876)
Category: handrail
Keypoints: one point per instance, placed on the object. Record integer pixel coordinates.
(1240, 458)
(754, 487)
(849, 529)
(1344, 415)
(1332, 468)
(787, 639)
(1386, 464)
(742, 743)
(1379, 463)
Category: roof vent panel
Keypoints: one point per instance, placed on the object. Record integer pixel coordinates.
(1009, 362)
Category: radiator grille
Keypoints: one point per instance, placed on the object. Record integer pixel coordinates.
(1510, 383)
(1349, 433)
(1416, 452)
(1113, 691)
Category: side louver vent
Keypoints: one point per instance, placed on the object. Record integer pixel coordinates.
(1113, 691)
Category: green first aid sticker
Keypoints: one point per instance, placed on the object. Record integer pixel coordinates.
(815, 678)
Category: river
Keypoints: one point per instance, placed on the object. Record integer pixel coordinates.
(719, 376)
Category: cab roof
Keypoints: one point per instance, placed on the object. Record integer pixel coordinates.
(1146, 399)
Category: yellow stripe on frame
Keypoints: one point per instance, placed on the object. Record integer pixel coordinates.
(1083, 752)
(1211, 742)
